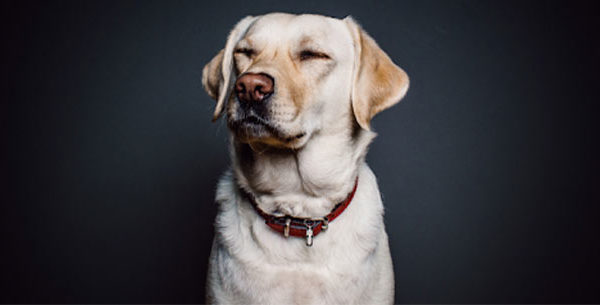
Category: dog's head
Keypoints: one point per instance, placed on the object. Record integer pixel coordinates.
(282, 78)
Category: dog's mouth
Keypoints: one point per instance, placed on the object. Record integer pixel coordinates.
(254, 128)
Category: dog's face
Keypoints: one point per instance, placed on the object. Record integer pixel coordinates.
(282, 78)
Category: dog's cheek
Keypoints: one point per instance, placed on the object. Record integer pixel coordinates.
(318, 75)
(323, 70)
(291, 88)
(304, 90)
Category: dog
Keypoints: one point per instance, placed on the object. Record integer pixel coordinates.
(300, 217)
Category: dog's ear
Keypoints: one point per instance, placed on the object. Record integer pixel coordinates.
(378, 82)
(218, 75)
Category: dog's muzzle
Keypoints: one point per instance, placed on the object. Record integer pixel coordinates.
(254, 88)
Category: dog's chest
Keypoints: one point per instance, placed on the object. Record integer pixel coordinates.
(300, 284)
(252, 264)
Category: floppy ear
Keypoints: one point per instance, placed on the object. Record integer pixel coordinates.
(218, 75)
(378, 82)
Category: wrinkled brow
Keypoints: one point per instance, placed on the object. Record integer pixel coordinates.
(309, 42)
(244, 43)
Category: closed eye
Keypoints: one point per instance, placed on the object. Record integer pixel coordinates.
(246, 51)
(308, 55)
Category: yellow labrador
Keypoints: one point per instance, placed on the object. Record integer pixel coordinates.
(300, 215)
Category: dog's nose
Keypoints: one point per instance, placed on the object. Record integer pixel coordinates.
(254, 87)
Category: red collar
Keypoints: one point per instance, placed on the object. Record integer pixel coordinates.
(301, 227)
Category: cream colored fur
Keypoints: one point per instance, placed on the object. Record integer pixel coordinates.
(324, 104)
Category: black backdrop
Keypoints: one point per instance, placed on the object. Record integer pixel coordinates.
(488, 168)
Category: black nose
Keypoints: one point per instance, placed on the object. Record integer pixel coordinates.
(254, 87)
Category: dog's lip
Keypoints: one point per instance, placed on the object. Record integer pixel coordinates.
(253, 120)
(256, 120)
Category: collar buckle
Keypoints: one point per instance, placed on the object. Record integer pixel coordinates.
(325, 223)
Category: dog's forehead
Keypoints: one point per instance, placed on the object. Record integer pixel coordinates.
(286, 28)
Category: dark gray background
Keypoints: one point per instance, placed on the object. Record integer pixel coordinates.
(488, 168)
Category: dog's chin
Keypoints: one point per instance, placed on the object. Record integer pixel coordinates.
(261, 135)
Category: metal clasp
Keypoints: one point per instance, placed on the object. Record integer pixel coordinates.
(309, 232)
(286, 229)
(309, 237)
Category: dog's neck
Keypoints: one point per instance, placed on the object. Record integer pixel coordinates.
(307, 182)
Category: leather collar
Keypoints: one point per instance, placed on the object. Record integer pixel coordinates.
(301, 227)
